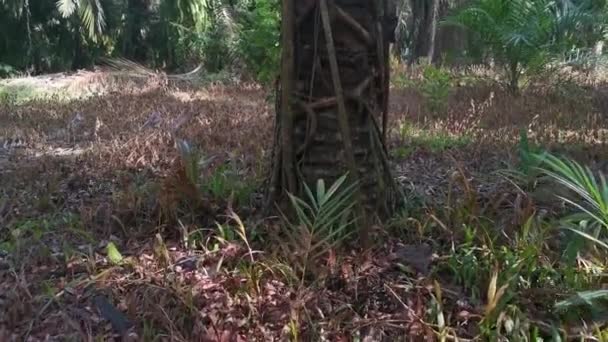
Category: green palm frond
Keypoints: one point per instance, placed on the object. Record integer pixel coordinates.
(204, 13)
(197, 11)
(91, 13)
(66, 7)
(589, 301)
(581, 298)
(225, 16)
(524, 35)
(323, 221)
(590, 199)
(93, 17)
(505, 24)
(590, 196)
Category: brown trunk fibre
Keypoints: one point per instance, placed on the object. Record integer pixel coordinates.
(324, 143)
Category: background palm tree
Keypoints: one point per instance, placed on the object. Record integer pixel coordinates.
(524, 35)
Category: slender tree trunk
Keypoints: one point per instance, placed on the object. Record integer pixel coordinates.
(419, 29)
(78, 59)
(287, 82)
(30, 46)
(426, 38)
(450, 43)
(513, 70)
(433, 30)
(333, 92)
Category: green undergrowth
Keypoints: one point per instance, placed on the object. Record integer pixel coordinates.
(17, 94)
(21, 94)
(434, 85)
(531, 271)
(226, 181)
(519, 272)
(48, 237)
(412, 138)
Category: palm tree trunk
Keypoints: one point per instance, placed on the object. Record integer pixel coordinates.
(334, 87)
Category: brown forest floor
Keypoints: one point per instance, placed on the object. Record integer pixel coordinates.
(65, 196)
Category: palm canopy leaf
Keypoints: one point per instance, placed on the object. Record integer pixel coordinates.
(66, 7)
(202, 13)
(508, 26)
(580, 24)
(91, 13)
(195, 11)
(525, 35)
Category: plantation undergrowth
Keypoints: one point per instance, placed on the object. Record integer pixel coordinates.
(136, 214)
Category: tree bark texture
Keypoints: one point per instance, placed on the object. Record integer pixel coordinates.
(332, 97)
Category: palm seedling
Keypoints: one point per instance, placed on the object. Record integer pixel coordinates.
(590, 197)
(322, 222)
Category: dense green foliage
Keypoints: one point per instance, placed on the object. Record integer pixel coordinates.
(520, 36)
(168, 34)
(525, 35)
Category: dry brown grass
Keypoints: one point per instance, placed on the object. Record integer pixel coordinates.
(562, 112)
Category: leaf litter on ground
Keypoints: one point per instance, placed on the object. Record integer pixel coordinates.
(123, 184)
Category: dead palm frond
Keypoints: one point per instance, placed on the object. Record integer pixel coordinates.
(123, 67)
